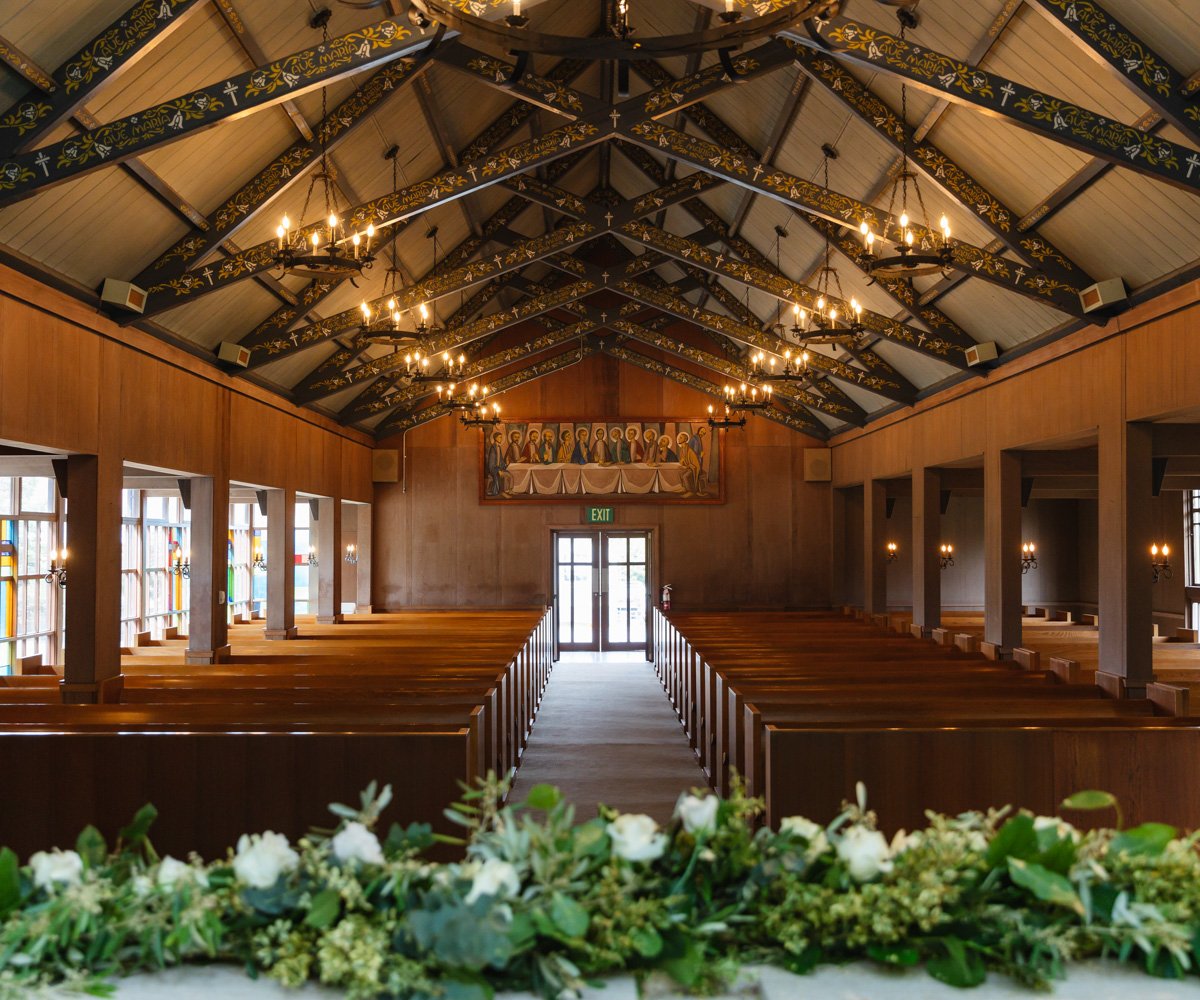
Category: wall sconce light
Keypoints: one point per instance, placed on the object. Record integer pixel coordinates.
(259, 562)
(1028, 557)
(352, 553)
(1160, 561)
(947, 555)
(181, 564)
(58, 568)
(312, 555)
(893, 552)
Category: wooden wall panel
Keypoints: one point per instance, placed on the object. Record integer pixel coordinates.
(767, 545)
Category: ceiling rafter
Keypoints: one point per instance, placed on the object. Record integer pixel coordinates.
(26, 68)
(429, 111)
(1047, 115)
(1095, 31)
(939, 169)
(400, 422)
(103, 58)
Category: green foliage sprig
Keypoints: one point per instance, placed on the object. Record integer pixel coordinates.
(543, 903)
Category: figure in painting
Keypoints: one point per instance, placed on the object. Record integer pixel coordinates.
(651, 438)
(566, 446)
(633, 442)
(581, 454)
(698, 444)
(618, 450)
(547, 453)
(665, 452)
(690, 462)
(513, 453)
(495, 466)
(600, 448)
(533, 448)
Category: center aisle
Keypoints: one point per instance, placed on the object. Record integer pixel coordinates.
(605, 732)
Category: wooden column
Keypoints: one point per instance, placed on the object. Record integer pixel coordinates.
(208, 628)
(1002, 548)
(926, 537)
(281, 564)
(1126, 529)
(874, 554)
(92, 664)
(364, 513)
(837, 551)
(330, 556)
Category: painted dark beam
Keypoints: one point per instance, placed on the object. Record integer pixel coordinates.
(24, 174)
(450, 340)
(781, 287)
(254, 52)
(730, 369)
(844, 210)
(102, 59)
(401, 421)
(388, 209)
(939, 169)
(435, 286)
(277, 176)
(1096, 32)
(433, 120)
(676, 374)
(901, 292)
(1047, 115)
(756, 337)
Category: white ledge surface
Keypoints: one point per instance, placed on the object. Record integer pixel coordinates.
(859, 981)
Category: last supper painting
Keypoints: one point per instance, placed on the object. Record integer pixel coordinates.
(625, 461)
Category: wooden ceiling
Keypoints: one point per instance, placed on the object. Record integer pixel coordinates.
(672, 228)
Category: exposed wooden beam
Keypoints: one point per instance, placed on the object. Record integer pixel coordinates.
(24, 174)
(25, 67)
(939, 169)
(102, 59)
(1048, 115)
(1096, 32)
(433, 119)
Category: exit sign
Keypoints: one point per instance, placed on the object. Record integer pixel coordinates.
(600, 515)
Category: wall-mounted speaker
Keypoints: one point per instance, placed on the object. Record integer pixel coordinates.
(818, 465)
(234, 354)
(1103, 296)
(123, 295)
(385, 465)
(978, 354)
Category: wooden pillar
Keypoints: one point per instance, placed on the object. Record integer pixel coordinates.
(208, 627)
(1002, 548)
(281, 564)
(329, 566)
(926, 537)
(874, 553)
(92, 664)
(363, 513)
(1126, 529)
(837, 551)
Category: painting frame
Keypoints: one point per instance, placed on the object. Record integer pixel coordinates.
(712, 453)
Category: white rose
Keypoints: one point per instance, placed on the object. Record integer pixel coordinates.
(1059, 826)
(142, 886)
(56, 868)
(355, 842)
(635, 837)
(865, 853)
(800, 826)
(262, 858)
(494, 878)
(698, 815)
(172, 871)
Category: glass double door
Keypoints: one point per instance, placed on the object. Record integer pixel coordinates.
(601, 589)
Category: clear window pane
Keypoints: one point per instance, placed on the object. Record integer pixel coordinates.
(6, 495)
(37, 495)
(583, 550)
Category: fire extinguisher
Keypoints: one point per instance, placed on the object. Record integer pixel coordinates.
(666, 597)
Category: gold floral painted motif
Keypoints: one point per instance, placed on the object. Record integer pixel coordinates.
(32, 73)
(322, 59)
(127, 35)
(550, 91)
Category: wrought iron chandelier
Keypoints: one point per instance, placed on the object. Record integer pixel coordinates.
(725, 421)
(746, 398)
(456, 396)
(910, 258)
(484, 415)
(326, 249)
(794, 367)
(381, 324)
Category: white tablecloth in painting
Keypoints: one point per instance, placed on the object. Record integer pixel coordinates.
(565, 479)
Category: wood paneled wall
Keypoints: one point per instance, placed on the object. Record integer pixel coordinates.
(72, 380)
(768, 545)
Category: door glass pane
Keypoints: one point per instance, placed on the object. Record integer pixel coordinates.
(637, 602)
(583, 550)
(564, 550)
(617, 548)
(618, 602)
(582, 603)
(564, 604)
(637, 550)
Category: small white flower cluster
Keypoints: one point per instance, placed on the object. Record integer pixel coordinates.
(494, 877)
(635, 837)
(354, 843)
(699, 815)
(172, 872)
(54, 869)
(262, 858)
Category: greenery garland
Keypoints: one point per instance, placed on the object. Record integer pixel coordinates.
(544, 904)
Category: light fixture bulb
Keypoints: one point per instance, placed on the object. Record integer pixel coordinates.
(316, 239)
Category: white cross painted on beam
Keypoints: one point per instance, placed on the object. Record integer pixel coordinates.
(1021, 272)
(471, 170)
(1193, 162)
(615, 115)
(231, 90)
(758, 169)
(207, 272)
(605, 277)
(608, 217)
(1008, 90)
(42, 160)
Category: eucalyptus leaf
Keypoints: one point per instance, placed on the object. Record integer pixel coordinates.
(1016, 838)
(543, 797)
(1046, 885)
(1147, 840)
(568, 916)
(1090, 799)
(647, 941)
(960, 966)
(325, 907)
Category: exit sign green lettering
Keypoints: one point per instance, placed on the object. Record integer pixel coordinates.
(600, 515)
